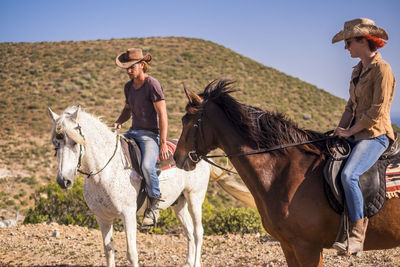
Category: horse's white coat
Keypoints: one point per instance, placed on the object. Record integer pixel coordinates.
(112, 193)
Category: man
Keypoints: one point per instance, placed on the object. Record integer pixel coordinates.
(145, 103)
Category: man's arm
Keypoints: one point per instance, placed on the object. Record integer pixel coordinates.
(125, 115)
(161, 109)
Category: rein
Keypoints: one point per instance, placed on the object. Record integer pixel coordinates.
(266, 150)
(81, 153)
(193, 155)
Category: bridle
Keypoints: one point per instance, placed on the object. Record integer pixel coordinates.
(195, 157)
(81, 155)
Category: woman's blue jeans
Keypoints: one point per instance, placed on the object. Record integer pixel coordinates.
(363, 156)
(148, 143)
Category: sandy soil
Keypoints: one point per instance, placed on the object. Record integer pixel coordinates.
(60, 245)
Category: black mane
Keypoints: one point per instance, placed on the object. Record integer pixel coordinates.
(265, 129)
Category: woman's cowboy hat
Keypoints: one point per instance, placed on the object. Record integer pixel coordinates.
(359, 27)
(130, 57)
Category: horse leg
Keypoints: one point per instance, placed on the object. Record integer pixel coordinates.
(290, 256)
(301, 255)
(195, 204)
(308, 254)
(129, 220)
(107, 231)
(183, 215)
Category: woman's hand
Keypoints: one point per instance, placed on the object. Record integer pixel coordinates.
(342, 132)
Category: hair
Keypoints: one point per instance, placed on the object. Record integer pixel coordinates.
(374, 43)
(146, 66)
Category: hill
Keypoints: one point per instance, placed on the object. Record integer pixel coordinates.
(35, 76)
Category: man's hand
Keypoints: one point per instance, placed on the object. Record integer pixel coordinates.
(116, 126)
(164, 151)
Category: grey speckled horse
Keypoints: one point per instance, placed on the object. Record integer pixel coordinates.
(83, 142)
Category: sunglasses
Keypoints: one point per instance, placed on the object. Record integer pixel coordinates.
(132, 66)
(348, 42)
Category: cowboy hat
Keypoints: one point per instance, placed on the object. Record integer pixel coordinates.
(130, 57)
(359, 27)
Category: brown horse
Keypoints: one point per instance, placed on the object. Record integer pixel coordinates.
(287, 184)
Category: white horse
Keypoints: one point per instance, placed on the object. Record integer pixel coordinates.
(83, 142)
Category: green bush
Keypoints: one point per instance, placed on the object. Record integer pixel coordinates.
(233, 220)
(53, 204)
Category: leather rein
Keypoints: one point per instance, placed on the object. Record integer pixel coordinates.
(196, 157)
(81, 154)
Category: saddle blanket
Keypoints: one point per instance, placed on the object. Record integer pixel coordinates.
(393, 180)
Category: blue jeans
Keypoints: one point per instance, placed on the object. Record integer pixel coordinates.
(363, 156)
(148, 143)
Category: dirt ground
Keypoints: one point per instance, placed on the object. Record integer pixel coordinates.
(60, 245)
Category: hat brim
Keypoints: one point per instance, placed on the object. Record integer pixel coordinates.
(360, 31)
(122, 62)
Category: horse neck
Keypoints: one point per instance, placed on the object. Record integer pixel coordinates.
(100, 143)
(255, 170)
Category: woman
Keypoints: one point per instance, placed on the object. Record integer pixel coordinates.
(365, 121)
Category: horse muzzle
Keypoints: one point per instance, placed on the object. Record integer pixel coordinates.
(186, 163)
(64, 183)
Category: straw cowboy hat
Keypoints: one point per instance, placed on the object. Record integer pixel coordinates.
(359, 27)
(130, 57)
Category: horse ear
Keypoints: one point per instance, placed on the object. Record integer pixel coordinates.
(193, 98)
(75, 115)
(53, 116)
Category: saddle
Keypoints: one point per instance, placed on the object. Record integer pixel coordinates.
(372, 183)
(133, 159)
(133, 155)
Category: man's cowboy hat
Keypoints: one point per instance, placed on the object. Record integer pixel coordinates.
(359, 27)
(130, 57)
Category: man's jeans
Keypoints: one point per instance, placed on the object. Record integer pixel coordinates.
(148, 143)
(363, 156)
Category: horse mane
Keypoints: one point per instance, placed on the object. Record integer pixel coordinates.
(96, 125)
(264, 129)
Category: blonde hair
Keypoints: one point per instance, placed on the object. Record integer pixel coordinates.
(146, 66)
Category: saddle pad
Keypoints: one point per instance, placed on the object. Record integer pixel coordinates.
(393, 180)
(170, 162)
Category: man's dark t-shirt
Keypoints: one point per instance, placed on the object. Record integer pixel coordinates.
(144, 115)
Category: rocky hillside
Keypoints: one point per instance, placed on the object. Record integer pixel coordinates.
(34, 76)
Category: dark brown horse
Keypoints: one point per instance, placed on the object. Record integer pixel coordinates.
(286, 184)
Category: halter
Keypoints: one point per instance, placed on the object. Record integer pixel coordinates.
(195, 157)
(81, 154)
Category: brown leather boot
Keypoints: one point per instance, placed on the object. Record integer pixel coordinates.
(152, 213)
(357, 236)
(341, 238)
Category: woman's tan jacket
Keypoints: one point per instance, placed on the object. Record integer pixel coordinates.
(370, 99)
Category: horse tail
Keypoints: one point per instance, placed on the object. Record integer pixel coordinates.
(231, 186)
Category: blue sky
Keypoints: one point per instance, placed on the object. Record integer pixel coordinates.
(291, 36)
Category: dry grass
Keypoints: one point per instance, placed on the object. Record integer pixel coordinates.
(34, 76)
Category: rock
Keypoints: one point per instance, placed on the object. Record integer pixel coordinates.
(307, 116)
(56, 234)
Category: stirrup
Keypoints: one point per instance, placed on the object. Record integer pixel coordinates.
(146, 215)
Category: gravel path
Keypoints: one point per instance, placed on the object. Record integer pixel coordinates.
(60, 245)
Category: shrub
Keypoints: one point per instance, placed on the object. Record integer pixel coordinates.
(68, 207)
(64, 207)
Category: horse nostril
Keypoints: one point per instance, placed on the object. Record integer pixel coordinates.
(68, 183)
